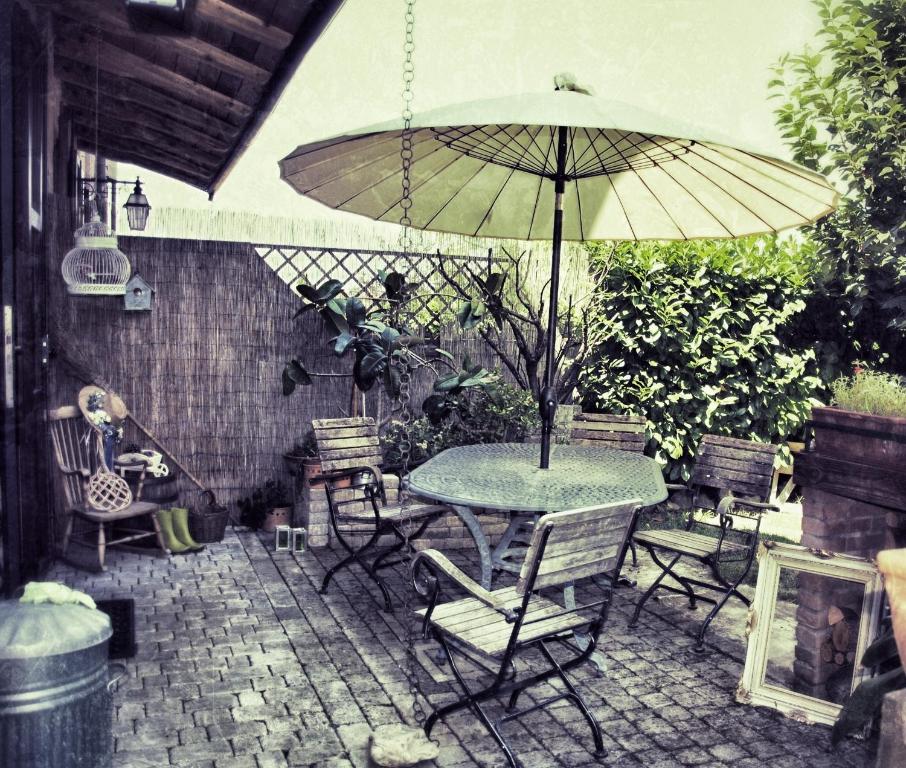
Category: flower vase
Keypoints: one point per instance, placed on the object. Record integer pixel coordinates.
(892, 564)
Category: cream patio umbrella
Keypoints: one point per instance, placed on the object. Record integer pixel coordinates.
(560, 165)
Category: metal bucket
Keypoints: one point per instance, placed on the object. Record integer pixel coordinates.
(56, 706)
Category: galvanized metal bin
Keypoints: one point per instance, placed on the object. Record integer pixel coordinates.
(56, 708)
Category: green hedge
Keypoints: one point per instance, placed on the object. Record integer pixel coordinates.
(692, 336)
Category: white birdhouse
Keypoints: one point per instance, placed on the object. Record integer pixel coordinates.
(138, 293)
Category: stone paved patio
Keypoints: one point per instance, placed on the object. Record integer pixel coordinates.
(242, 664)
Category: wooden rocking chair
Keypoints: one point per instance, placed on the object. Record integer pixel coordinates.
(731, 480)
(78, 453)
(498, 625)
(358, 502)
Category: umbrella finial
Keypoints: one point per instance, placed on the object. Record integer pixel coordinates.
(566, 81)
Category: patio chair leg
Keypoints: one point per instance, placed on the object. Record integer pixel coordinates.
(577, 700)
(731, 590)
(67, 533)
(102, 545)
(655, 584)
(354, 555)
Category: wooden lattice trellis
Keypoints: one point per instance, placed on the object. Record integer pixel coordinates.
(359, 272)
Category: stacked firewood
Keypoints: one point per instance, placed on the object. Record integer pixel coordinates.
(843, 625)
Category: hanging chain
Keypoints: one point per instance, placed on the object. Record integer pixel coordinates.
(404, 360)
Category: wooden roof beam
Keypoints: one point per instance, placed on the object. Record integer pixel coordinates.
(141, 96)
(113, 17)
(223, 14)
(132, 130)
(156, 164)
(110, 143)
(129, 65)
(81, 100)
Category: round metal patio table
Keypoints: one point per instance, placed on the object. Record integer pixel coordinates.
(506, 476)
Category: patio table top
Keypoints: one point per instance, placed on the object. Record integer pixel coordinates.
(506, 476)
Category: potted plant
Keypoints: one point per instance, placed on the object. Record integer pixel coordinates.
(303, 461)
(268, 506)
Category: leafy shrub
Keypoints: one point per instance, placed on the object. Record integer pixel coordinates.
(495, 413)
(842, 113)
(871, 392)
(692, 336)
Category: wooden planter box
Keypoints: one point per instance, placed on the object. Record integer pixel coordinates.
(856, 455)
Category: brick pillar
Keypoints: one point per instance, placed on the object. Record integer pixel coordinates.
(834, 524)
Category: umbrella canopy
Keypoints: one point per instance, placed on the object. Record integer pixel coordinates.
(481, 168)
(617, 172)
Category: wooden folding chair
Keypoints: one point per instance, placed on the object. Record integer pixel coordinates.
(358, 501)
(501, 624)
(731, 480)
(78, 452)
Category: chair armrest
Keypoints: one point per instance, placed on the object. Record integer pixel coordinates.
(762, 505)
(77, 471)
(438, 562)
(676, 487)
(339, 474)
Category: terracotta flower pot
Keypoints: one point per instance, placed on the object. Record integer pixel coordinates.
(311, 467)
(276, 516)
(892, 564)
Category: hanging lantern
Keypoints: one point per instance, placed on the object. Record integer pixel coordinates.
(96, 266)
(137, 208)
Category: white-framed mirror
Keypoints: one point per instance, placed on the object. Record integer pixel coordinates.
(813, 616)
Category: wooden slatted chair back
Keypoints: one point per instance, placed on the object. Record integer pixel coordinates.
(347, 443)
(730, 465)
(626, 433)
(580, 543)
(75, 448)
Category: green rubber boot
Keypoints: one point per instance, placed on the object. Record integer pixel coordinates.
(171, 541)
(180, 518)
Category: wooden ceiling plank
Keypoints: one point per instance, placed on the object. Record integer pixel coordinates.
(134, 113)
(91, 15)
(175, 155)
(173, 169)
(224, 14)
(138, 95)
(132, 130)
(126, 64)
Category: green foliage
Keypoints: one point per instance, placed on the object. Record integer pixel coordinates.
(494, 413)
(693, 336)
(871, 392)
(843, 114)
(368, 335)
(254, 508)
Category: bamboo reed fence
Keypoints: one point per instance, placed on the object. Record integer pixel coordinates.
(203, 369)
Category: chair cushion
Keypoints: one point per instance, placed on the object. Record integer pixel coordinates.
(471, 622)
(682, 542)
(393, 512)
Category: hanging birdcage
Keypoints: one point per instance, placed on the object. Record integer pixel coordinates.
(96, 266)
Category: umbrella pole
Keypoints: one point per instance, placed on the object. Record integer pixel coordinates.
(548, 397)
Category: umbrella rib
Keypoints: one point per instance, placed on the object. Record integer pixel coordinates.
(730, 195)
(339, 175)
(450, 199)
(665, 169)
(750, 184)
(457, 157)
(497, 196)
(572, 149)
(589, 148)
(387, 176)
(528, 235)
(393, 140)
(613, 186)
(651, 191)
(717, 150)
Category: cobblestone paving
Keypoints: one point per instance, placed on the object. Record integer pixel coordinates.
(242, 664)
